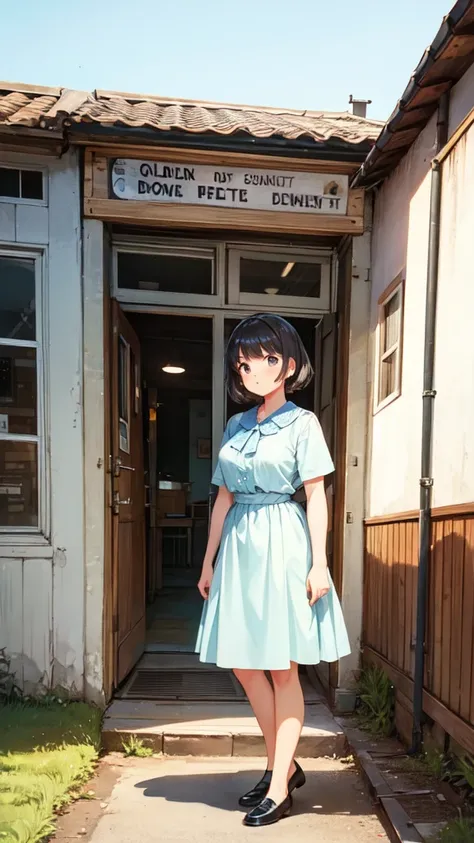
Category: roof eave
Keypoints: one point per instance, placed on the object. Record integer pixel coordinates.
(304, 147)
(374, 169)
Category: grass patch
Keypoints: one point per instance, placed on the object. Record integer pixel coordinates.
(135, 747)
(47, 750)
(458, 831)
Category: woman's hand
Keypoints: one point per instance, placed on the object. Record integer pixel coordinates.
(204, 583)
(317, 584)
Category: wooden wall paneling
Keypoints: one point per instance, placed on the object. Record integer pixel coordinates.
(415, 554)
(466, 708)
(409, 527)
(456, 613)
(377, 605)
(447, 617)
(392, 529)
(438, 607)
(368, 545)
(382, 608)
(390, 585)
(400, 556)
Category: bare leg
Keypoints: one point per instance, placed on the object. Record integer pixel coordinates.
(289, 719)
(261, 698)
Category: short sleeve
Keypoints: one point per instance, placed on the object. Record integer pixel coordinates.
(218, 478)
(312, 453)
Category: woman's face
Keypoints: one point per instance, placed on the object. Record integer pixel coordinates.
(260, 375)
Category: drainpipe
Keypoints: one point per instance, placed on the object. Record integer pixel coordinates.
(428, 396)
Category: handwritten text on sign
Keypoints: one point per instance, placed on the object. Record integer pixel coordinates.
(230, 187)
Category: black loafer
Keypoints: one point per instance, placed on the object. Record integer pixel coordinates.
(257, 794)
(268, 812)
(297, 780)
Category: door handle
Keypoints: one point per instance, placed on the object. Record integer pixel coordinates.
(118, 467)
(117, 503)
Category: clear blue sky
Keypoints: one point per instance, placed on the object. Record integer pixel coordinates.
(292, 53)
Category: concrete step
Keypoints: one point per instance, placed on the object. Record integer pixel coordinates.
(212, 729)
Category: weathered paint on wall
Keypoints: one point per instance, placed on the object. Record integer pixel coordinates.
(43, 579)
(95, 455)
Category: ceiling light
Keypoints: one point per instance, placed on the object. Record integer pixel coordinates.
(272, 291)
(287, 269)
(173, 370)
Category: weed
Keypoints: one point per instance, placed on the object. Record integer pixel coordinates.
(376, 701)
(9, 690)
(136, 747)
(463, 773)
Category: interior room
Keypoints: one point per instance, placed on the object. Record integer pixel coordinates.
(176, 362)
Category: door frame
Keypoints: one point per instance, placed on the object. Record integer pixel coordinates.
(218, 423)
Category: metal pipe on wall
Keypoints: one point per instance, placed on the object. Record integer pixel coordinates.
(428, 396)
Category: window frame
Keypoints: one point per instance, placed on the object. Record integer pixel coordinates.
(40, 344)
(125, 374)
(310, 305)
(214, 252)
(397, 286)
(19, 200)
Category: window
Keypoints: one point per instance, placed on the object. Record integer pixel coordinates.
(163, 273)
(124, 394)
(274, 280)
(389, 344)
(22, 500)
(27, 185)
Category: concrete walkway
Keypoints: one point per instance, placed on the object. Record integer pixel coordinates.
(191, 800)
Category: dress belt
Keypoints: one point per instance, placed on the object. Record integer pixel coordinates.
(261, 498)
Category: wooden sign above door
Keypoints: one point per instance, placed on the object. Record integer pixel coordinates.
(200, 189)
(229, 187)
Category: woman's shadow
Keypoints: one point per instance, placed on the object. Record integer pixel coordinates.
(326, 792)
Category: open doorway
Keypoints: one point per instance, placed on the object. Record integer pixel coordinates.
(176, 360)
(163, 376)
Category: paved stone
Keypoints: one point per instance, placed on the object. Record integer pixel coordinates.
(161, 724)
(195, 801)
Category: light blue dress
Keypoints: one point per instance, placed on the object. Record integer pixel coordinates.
(257, 615)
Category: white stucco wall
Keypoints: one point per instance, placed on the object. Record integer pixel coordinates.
(399, 243)
(400, 240)
(42, 578)
(453, 446)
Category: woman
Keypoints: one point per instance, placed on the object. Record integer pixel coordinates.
(269, 603)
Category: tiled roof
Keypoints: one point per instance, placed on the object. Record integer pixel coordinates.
(198, 118)
(42, 108)
(25, 108)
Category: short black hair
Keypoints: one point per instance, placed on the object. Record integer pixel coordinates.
(273, 335)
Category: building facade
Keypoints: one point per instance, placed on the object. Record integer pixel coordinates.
(152, 239)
